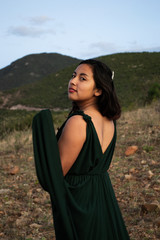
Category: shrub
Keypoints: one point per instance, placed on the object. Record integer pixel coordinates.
(153, 93)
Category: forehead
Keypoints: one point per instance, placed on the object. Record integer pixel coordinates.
(84, 68)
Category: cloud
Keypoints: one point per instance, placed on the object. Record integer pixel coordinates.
(103, 46)
(24, 31)
(98, 49)
(154, 49)
(151, 49)
(136, 47)
(33, 27)
(39, 20)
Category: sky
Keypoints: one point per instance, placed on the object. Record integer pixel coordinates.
(81, 29)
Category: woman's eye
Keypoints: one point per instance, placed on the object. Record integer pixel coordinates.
(82, 79)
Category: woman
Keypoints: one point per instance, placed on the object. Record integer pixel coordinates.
(74, 170)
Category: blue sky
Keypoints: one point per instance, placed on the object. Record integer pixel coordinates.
(81, 29)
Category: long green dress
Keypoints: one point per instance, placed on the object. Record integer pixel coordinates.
(83, 202)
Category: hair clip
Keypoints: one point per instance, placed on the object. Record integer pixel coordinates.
(112, 75)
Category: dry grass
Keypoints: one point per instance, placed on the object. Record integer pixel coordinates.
(25, 211)
(136, 178)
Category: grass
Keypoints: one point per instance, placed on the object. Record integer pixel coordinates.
(21, 120)
(25, 210)
(14, 120)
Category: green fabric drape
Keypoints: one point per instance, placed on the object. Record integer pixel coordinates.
(83, 202)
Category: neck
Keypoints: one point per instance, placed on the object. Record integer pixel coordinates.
(85, 106)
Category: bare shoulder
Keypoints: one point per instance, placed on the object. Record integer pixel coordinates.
(75, 126)
(71, 141)
(75, 122)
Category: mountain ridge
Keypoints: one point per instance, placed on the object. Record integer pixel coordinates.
(32, 68)
(136, 76)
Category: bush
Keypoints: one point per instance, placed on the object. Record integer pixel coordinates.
(153, 93)
(14, 120)
(20, 120)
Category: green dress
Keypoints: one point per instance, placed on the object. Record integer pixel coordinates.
(83, 202)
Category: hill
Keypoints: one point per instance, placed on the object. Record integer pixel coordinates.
(32, 68)
(136, 75)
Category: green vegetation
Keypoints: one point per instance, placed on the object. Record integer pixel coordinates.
(153, 93)
(148, 148)
(21, 120)
(135, 76)
(135, 73)
(137, 81)
(50, 92)
(14, 120)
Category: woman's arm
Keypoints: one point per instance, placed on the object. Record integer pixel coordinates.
(71, 141)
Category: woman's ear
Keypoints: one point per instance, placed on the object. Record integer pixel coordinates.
(98, 92)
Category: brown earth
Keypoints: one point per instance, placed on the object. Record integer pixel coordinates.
(25, 210)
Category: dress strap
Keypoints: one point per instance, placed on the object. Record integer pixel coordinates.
(86, 117)
(78, 112)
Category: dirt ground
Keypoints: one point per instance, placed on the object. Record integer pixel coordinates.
(25, 210)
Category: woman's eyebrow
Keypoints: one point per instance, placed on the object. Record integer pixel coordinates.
(83, 74)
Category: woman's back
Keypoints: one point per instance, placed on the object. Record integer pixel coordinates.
(73, 136)
(92, 158)
(104, 128)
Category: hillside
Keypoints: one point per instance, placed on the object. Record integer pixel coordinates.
(136, 76)
(25, 208)
(32, 68)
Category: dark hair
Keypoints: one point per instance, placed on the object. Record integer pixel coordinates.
(108, 103)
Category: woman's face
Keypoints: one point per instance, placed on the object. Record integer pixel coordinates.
(81, 87)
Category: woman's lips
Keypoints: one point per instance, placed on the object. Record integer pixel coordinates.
(71, 90)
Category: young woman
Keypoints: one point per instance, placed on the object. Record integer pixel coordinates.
(73, 166)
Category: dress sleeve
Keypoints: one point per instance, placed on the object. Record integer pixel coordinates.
(49, 172)
(46, 153)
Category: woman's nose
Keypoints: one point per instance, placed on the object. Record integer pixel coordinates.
(73, 81)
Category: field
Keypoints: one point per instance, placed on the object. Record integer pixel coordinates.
(25, 210)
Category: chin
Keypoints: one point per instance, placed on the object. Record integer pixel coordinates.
(71, 98)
